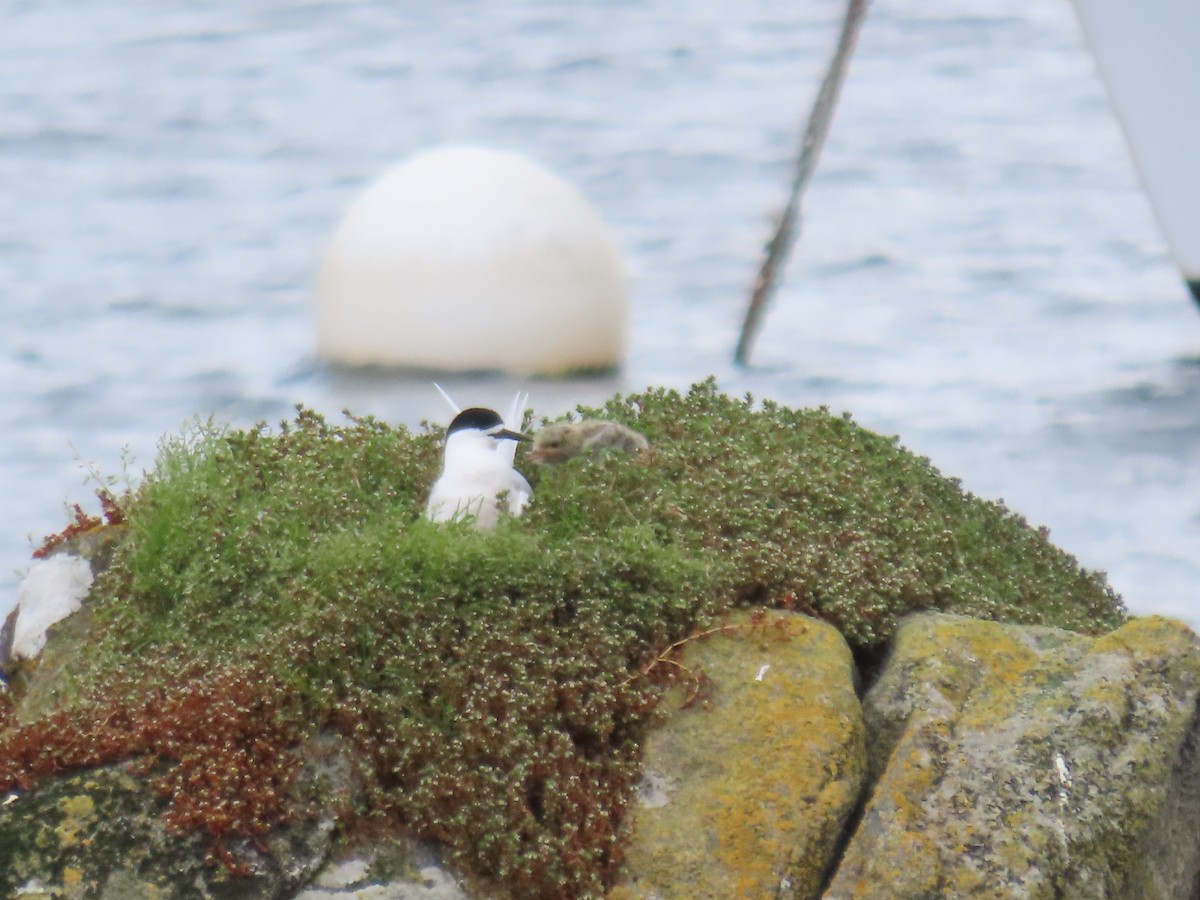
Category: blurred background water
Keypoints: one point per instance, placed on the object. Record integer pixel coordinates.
(979, 270)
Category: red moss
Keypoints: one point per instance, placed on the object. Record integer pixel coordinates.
(216, 747)
(111, 514)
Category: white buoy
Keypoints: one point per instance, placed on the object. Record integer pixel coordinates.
(465, 259)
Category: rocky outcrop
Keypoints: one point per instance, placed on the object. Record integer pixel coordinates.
(272, 589)
(985, 760)
(999, 761)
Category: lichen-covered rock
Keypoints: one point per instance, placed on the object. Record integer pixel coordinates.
(100, 835)
(1030, 762)
(746, 794)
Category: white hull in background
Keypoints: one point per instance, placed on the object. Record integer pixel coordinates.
(1148, 52)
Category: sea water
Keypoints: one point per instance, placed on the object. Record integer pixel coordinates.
(978, 270)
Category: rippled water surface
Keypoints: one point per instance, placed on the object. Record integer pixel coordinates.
(979, 271)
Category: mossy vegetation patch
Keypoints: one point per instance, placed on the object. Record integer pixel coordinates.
(491, 680)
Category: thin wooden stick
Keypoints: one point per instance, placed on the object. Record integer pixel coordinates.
(664, 656)
(815, 131)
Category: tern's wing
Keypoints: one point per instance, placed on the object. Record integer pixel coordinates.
(519, 492)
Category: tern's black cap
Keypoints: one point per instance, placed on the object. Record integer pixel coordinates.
(485, 420)
(476, 417)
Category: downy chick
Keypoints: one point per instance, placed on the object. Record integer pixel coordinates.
(564, 440)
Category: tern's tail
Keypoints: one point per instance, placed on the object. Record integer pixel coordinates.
(454, 406)
(516, 415)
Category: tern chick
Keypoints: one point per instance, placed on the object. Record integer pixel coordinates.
(564, 440)
(477, 471)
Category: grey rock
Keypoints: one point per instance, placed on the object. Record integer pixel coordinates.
(99, 833)
(1030, 762)
(394, 869)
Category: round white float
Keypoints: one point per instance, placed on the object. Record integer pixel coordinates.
(467, 259)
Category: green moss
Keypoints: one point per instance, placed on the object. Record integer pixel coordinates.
(800, 502)
(484, 675)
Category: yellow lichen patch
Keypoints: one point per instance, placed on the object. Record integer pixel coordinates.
(912, 873)
(964, 658)
(764, 774)
(79, 812)
(1139, 635)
